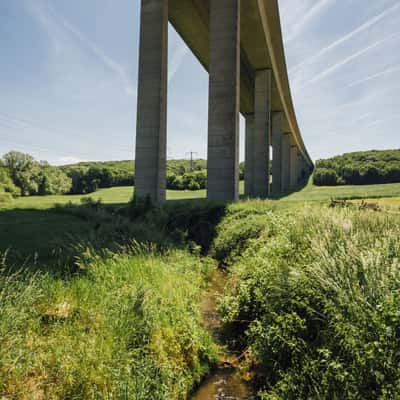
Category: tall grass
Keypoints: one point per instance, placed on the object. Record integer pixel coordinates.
(317, 293)
(127, 327)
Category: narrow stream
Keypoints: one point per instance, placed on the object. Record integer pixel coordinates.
(225, 382)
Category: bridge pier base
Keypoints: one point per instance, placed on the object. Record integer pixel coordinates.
(224, 101)
(262, 134)
(277, 167)
(150, 164)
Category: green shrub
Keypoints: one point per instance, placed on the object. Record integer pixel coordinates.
(319, 302)
(188, 181)
(241, 224)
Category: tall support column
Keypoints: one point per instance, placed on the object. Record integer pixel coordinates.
(249, 156)
(150, 164)
(301, 170)
(293, 166)
(277, 139)
(262, 133)
(286, 162)
(224, 101)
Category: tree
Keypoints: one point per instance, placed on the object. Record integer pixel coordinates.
(24, 171)
(6, 183)
(16, 162)
(53, 180)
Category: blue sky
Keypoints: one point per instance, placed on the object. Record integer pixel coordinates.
(69, 72)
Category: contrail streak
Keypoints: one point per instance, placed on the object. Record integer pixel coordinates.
(340, 64)
(312, 12)
(347, 37)
(380, 121)
(176, 61)
(378, 75)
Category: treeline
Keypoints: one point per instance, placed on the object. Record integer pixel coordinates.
(360, 168)
(21, 174)
(87, 177)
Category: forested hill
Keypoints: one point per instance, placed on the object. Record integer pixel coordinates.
(173, 166)
(359, 168)
(88, 176)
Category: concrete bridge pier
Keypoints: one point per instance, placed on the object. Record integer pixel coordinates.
(262, 134)
(249, 156)
(151, 132)
(224, 101)
(286, 140)
(277, 148)
(294, 166)
(302, 174)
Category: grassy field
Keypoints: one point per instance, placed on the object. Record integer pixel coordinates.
(121, 195)
(115, 195)
(28, 222)
(323, 193)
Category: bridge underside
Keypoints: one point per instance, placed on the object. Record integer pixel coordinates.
(239, 43)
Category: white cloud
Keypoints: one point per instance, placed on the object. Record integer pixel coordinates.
(66, 160)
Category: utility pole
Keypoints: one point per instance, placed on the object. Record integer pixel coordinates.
(191, 159)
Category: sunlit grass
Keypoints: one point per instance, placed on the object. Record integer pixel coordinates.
(122, 195)
(128, 326)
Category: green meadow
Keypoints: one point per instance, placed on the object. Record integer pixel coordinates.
(121, 195)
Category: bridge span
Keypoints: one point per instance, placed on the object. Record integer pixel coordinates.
(239, 42)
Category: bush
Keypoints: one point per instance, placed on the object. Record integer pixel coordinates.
(189, 181)
(318, 297)
(241, 225)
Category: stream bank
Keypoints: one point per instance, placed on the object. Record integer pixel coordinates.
(225, 381)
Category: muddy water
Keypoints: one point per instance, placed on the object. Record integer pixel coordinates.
(225, 382)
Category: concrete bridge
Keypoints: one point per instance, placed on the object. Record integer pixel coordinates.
(239, 42)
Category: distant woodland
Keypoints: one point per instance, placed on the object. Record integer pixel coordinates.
(360, 168)
(22, 175)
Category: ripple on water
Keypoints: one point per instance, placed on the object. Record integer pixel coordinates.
(225, 384)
